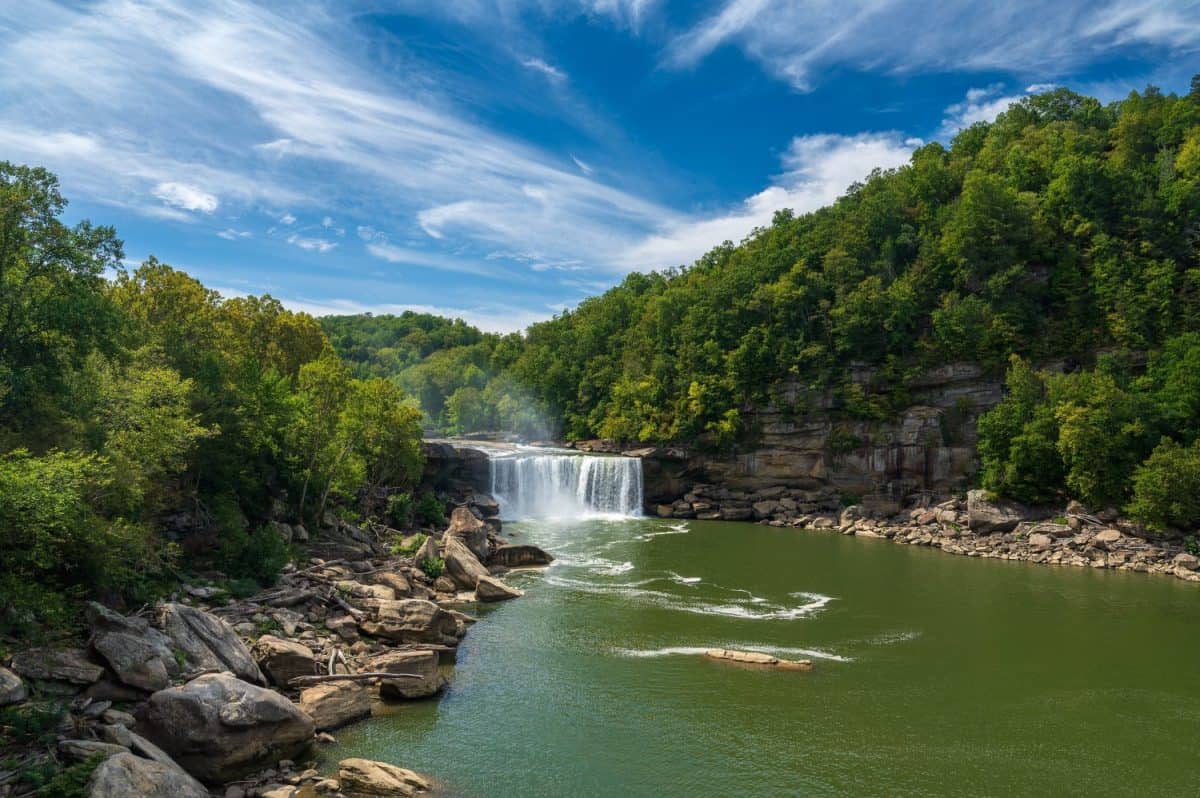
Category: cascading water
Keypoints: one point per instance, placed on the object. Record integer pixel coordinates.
(540, 484)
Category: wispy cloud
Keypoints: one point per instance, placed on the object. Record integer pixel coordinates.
(817, 170)
(230, 234)
(321, 245)
(796, 41)
(552, 73)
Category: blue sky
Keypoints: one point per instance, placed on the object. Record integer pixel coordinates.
(500, 160)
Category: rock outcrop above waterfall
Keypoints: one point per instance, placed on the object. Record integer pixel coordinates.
(927, 446)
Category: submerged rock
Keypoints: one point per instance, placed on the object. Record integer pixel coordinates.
(758, 658)
(218, 727)
(363, 778)
(127, 776)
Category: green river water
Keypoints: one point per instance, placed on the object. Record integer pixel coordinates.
(935, 675)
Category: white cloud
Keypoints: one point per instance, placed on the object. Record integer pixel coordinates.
(287, 219)
(983, 105)
(817, 170)
(187, 197)
(552, 73)
(583, 167)
(321, 245)
(380, 248)
(796, 41)
(230, 234)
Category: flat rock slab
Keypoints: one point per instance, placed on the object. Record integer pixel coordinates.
(364, 778)
(57, 665)
(758, 658)
(335, 704)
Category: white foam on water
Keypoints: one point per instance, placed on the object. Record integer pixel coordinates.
(779, 651)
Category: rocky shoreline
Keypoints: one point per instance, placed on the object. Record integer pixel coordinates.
(975, 526)
(209, 695)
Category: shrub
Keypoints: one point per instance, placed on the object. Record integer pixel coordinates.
(1166, 488)
(259, 555)
(399, 509)
(433, 566)
(400, 550)
(71, 781)
(32, 723)
(430, 510)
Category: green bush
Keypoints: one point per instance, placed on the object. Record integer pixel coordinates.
(417, 542)
(259, 555)
(430, 509)
(1166, 488)
(399, 509)
(71, 781)
(432, 566)
(32, 723)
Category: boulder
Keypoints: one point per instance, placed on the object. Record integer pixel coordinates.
(283, 660)
(430, 550)
(208, 643)
(472, 531)
(487, 506)
(12, 689)
(763, 509)
(418, 663)
(1107, 539)
(461, 563)
(334, 704)
(758, 658)
(138, 654)
(218, 727)
(127, 776)
(489, 588)
(519, 556)
(70, 665)
(987, 514)
(1186, 561)
(363, 778)
(737, 513)
(80, 750)
(1040, 541)
(412, 621)
(398, 584)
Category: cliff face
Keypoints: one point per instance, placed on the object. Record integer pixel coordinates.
(929, 446)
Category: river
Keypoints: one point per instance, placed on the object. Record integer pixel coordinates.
(934, 675)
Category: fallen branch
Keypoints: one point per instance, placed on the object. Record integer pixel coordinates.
(349, 677)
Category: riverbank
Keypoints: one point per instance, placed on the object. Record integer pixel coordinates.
(977, 526)
(210, 692)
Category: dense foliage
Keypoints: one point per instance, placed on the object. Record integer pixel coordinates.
(458, 374)
(129, 401)
(1062, 228)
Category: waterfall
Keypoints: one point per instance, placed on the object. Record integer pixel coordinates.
(540, 484)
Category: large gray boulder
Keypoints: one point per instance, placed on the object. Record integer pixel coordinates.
(218, 727)
(519, 555)
(412, 621)
(461, 563)
(208, 643)
(283, 660)
(66, 665)
(138, 654)
(127, 776)
(988, 514)
(12, 689)
(470, 530)
(417, 663)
